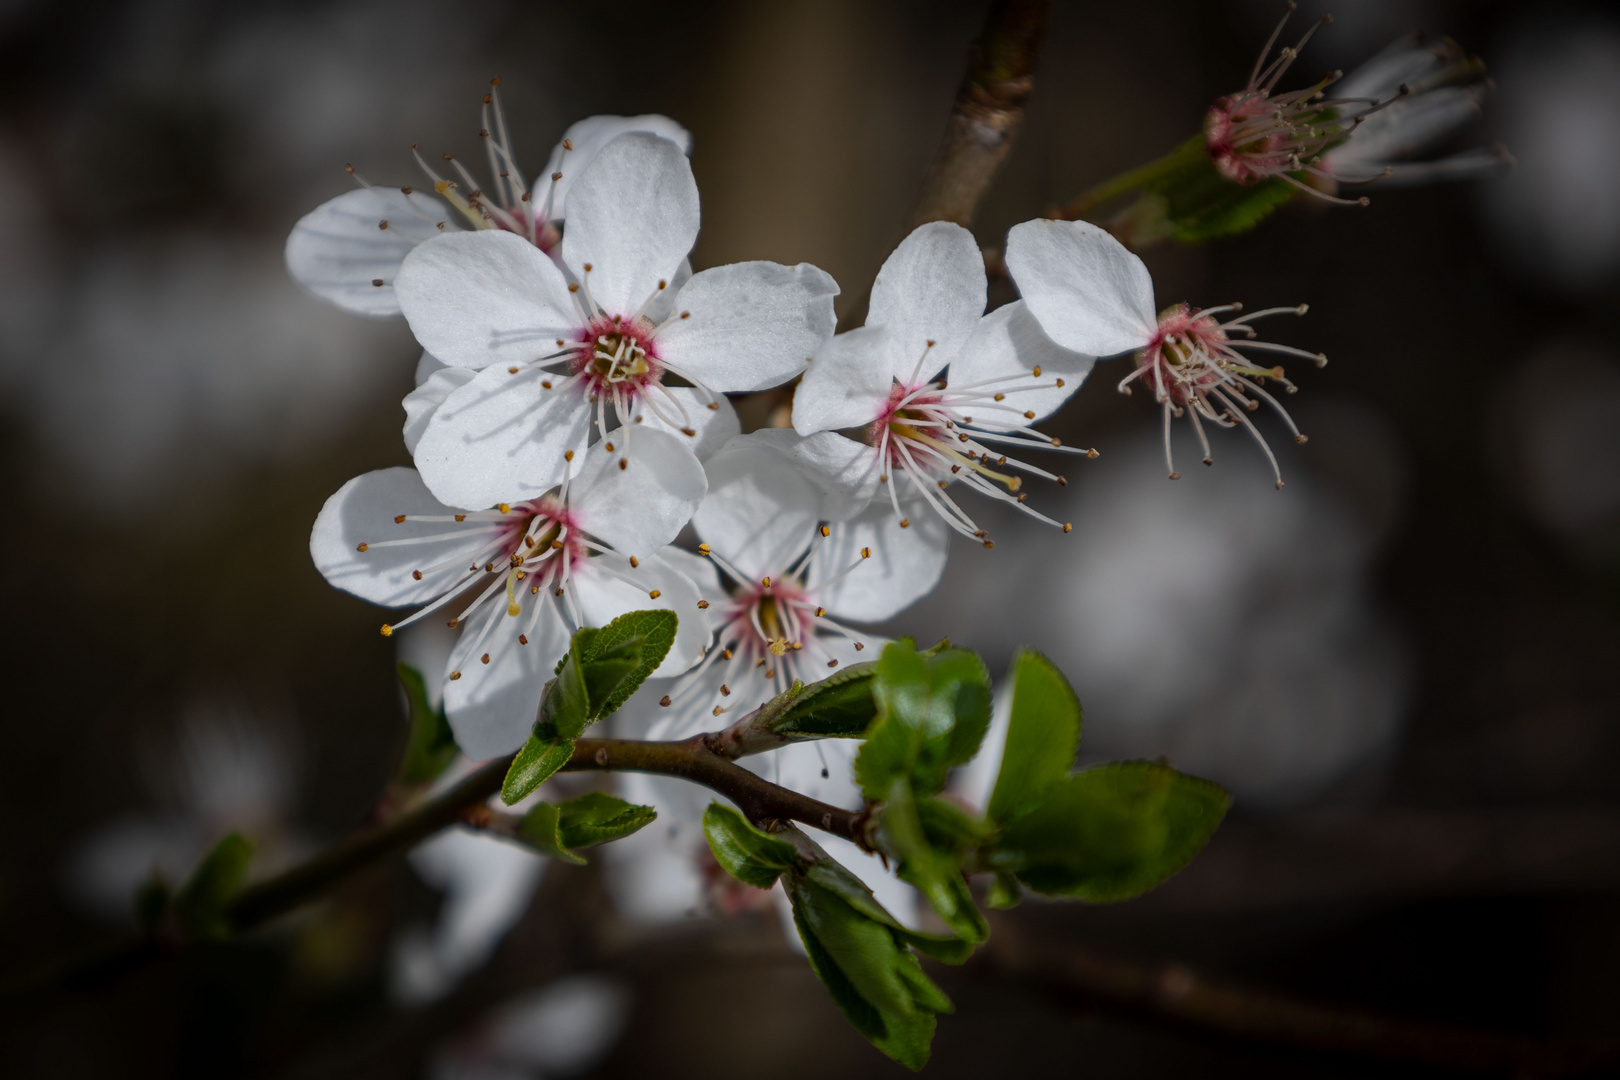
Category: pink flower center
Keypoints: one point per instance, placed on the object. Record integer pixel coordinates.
(616, 357)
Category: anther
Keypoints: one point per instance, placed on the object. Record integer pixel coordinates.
(859, 645)
(556, 176)
(588, 268)
(989, 543)
(1175, 476)
(725, 691)
(725, 654)
(568, 144)
(718, 710)
(387, 631)
(634, 562)
(703, 605)
(703, 549)
(1302, 439)
(1037, 371)
(866, 553)
(484, 659)
(382, 224)
(453, 623)
(826, 531)
(653, 594)
(377, 281)
(820, 611)
(505, 508)
(765, 582)
(832, 663)
(624, 463)
(1062, 481)
(416, 574)
(511, 371)
(905, 523)
(609, 447)
(454, 675)
(523, 639)
(664, 701)
(1068, 527)
(568, 455)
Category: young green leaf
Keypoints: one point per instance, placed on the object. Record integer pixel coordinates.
(1110, 833)
(837, 707)
(823, 870)
(430, 747)
(1043, 736)
(652, 633)
(935, 870)
(932, 712)
(200, 904)
(752, 857)
(873, 978)
(593, 818)
(540, 757)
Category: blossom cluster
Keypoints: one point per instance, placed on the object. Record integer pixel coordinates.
(570, 420)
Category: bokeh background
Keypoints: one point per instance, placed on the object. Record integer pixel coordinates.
(1403, 664)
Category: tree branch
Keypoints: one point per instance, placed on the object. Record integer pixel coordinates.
(989, 109)
(1173, 995)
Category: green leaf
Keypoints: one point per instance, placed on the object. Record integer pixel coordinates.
(935, 870)
(200, 904)
(932, 712)
(837, 707)
(1188, 199)
(540, 757)
(1110, 833)
(1004, 892)
(593, 818)
(650, 633)
(430, 746)
(832, 875)
(1043, 736)
(872, 977)
(752, 857)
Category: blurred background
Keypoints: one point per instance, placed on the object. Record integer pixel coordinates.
(1397, 663)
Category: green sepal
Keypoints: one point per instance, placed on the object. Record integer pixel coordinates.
(1043, 735)
(873, 978)
(593, 818)
(1110, 833)
(933, 864)
(430, 747)
(747, 854)
(932, 712)
(541, 756)
(200, 904)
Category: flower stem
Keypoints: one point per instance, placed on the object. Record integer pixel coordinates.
(1131, 180)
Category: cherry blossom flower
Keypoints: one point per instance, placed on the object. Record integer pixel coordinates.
(520, 577)
(552, 353)
(883, 380)
(348, 250)
(785, 570)
(1092, 295)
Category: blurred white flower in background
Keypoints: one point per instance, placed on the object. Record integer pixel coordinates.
(1565, 463)
(226, 770)
(1214, 620)
(1556, 215)
(562, 1029)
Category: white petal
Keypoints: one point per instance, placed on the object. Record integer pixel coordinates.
(362, 512)
(338, 250)
(748, 326)
(487, 297)
(492, 707)
(637, 497)
(932, 288)
(905, 563)
(589, 135)
(762, 508)
(848, 384)
(700, 570)
(603, 597)
(633, 216)
(713, 428)
(501, 438)
(426, 365)
(843, 471)
(1010, 342)
(431, 392)
(1089, 293)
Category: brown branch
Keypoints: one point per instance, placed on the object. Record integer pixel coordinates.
(1173, 995)
(989, 109)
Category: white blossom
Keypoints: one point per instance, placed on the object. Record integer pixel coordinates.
(553, 350)
(520, 577)
(348, 250)
(1091, 295)
(883, 380)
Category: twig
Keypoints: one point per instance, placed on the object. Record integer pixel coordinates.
(989, 108)
(1173, 995)
(690, 759)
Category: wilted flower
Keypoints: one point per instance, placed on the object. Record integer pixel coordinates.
(348, 250)
(1092, 295)
(883, 380)
(552, 353)
(520, 577)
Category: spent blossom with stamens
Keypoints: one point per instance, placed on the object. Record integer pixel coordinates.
(348, 250)
(922, 432)
(1092, 295)
(1443, 89)
(555, 353)
(1256, 135)
(517, 579)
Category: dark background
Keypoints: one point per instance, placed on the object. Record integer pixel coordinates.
(173, 412)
